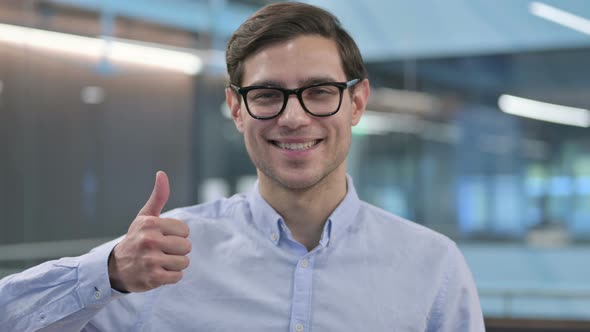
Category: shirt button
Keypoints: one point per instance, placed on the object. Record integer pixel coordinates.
(304, 263)
(97, 294)
(42, 316)
(299, 327)
(274, 236)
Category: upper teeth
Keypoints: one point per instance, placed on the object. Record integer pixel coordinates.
(296, 146)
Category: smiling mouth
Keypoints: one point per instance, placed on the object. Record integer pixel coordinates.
(296, 146)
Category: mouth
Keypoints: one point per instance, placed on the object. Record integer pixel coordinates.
(300, 146)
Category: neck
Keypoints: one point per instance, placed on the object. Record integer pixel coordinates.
(305, 211)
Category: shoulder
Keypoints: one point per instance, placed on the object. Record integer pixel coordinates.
(399, 232)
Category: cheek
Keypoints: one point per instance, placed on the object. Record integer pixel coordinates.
(253, 133)
(344, 135)
(248, 138)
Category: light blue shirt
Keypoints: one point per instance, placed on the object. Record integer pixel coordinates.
(372, 271)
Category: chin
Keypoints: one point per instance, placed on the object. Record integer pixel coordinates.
(297, 183)
(294, 180)
(300, 186)
(300, 181)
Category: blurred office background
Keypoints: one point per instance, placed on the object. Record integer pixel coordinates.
(477, 127)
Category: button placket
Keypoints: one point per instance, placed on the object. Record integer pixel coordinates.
(302, 289)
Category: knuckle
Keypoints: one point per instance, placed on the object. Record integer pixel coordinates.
(186, 246)
(151, 263)
(152, 283)
(149, 241)
(157, 276)
(176, 277)
(185, 230)
(185, 262)
(180, 227)
(148, 222)
(156, 279)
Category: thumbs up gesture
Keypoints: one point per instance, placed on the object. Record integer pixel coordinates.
(153, 252)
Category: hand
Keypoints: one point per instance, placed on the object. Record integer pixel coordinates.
(153, 252)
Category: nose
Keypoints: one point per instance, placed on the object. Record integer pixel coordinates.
(294, 116)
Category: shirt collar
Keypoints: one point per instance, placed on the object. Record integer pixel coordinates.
(264, 217)
(269, 222)
(345, 213)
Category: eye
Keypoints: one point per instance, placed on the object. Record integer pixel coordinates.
(321, 91)
(265, 94)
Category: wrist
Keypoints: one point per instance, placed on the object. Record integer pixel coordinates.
(114, 278)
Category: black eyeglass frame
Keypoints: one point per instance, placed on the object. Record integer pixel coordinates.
(243, 91)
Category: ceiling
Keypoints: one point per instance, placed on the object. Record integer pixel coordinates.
(384, 29)
(479, 48)
(433, 28)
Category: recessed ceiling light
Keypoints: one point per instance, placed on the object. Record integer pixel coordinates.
(560, 17)
(538, 110)
(110, 49)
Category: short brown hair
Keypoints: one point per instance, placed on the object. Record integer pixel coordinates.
(281, 22)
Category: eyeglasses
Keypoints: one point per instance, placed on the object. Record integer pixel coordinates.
(267, 102)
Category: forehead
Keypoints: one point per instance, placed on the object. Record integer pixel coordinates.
(295, 62)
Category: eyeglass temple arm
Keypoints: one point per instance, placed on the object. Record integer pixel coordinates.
(352, 82)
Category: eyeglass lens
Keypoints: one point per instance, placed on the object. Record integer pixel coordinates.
(318, 100)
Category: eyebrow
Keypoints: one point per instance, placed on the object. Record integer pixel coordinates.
(305, 82)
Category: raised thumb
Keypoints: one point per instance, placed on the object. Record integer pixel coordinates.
(158, 198)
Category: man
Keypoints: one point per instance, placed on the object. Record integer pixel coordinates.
(300, 252)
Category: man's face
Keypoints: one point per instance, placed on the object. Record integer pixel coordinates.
(297, 150)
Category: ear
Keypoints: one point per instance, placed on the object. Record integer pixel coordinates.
(360, 96)
(233, 103)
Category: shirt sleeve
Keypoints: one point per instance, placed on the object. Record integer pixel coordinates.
(457, 307)
(60, 295)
